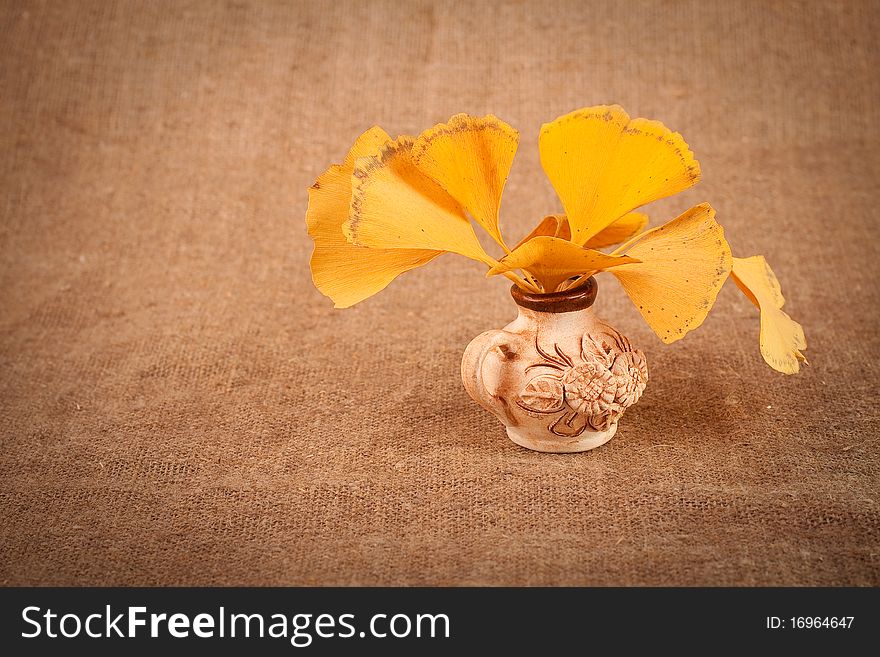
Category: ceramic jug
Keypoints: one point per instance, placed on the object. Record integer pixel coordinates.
(557, 376)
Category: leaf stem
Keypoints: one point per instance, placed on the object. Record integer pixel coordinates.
(531, 287)
(492, 262)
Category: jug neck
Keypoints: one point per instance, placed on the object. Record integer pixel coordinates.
(557, 309)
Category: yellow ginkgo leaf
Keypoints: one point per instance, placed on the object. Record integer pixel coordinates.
(344, 272)
(553, 225)
(683, 265)
(556, 225)
(470, 158)
(782, 338)
(629, 225)
(396, 206)
(604, 164)
(552, 260)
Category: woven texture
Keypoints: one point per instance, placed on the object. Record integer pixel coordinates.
(179, 405)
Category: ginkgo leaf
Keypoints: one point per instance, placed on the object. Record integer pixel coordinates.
(604, 164)
(553, 225)
(627, 226)
(396, 206)
(470, 158)
(782, 338)
(552, 260)
(556, 225)
(683, 265)
(344, 272)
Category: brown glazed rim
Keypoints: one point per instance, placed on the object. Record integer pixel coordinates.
(567, 301)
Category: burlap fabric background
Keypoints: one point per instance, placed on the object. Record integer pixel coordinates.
(180, 406)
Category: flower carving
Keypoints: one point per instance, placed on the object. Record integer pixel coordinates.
(590, 388)
(594, 392)
(630, 371)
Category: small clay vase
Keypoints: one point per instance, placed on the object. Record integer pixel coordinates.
(557, 376)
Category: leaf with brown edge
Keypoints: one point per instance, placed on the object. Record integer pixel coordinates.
(552, 260)
(683, 265)
(396, 206)
(603, 164)
(470, 157)
(346, 273)
(782, 338)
